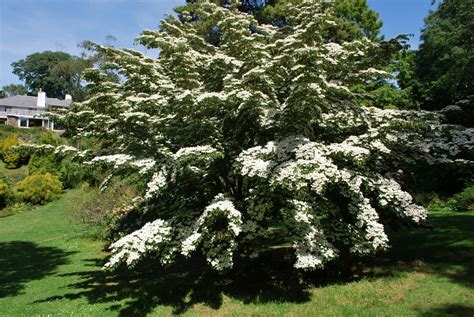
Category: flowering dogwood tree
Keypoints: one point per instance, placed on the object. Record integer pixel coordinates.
(253, 136)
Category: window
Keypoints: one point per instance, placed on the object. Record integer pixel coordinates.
(35, 123)
(58, 126)
(23, 122)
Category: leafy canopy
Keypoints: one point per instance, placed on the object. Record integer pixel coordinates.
(445, 59)
(57, 73)
(14, 90)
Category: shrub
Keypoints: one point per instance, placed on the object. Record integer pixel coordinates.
(48, 138)
(102, 209)
(429, 200)
(14, 209)
(72, 174)
(3, 192)
(38, 188)
(42, 163)
(463, 201)
(7, 144)
(16, 157)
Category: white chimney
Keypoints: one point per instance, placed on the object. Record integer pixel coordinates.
(68, 97)
(41, 99)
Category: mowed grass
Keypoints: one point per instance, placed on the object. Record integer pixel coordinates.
(50, 266)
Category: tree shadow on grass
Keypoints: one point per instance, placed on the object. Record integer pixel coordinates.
(450, 310)
(446, 250)
(272, 278)
(23, 261)
(184, 284)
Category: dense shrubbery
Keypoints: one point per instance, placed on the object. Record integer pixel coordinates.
(48, 138)
(38, 188)
(73, 174)
(103, 209)
(43, 163)
(3, 192)
(463, 201)
(7, 143)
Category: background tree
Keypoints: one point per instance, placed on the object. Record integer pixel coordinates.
(57, 73)
(445, 60)
(14, 90)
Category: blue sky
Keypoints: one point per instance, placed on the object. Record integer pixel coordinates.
(29, 26)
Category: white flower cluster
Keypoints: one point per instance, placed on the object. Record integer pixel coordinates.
(134, 246)
(312, 248)
(144, 165)
(157, 183)
(300, 165)
(195, 150)
(118, 160)
(391, 195)
(217, 258)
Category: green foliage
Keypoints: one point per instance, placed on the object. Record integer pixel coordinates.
(38, 188)
(72, 174)
(57, 73)
(48, 138)
(463, 201)
(43, 163)
(103, 210)
(14, 90)
(385, 96)
(23, 135)
(12, 159)
(16, 157)
(357, 19)
(14, 208)
(6, 144)
(429, 200)
(3, 192)
(445, 60)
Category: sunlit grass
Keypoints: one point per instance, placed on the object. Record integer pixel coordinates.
(50, 266)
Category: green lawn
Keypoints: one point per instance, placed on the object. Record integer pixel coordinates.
(49, 266)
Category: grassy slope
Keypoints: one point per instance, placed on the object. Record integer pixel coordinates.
(48, 266)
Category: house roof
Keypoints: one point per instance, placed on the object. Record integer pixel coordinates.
(30, 102)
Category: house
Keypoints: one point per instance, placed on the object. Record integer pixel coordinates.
(27, 111)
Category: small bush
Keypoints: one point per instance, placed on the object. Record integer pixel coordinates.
(16, 208)
(43, 163)
(15, 158)
(429, 200)
(101, 209)
(3, 192)
(48, 138)
(463, 201)
(72, 174)
(38, 188)
(5, 145)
